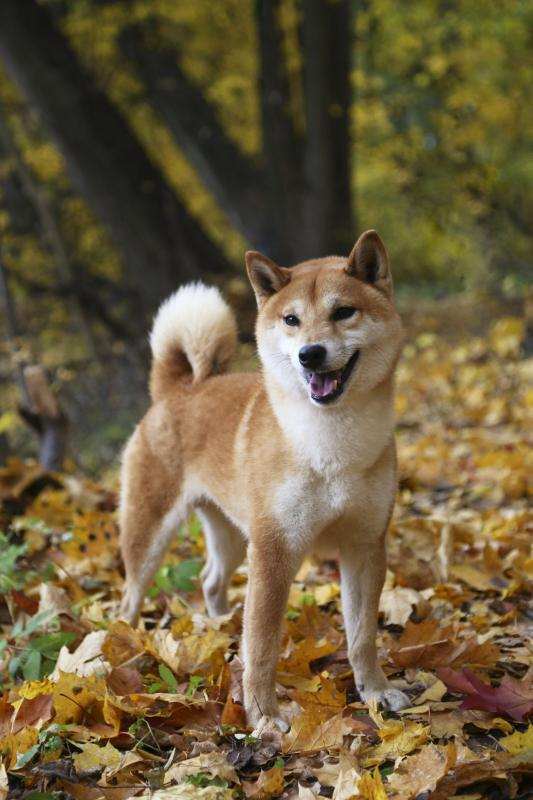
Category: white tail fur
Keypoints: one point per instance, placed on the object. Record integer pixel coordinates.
(194, 330)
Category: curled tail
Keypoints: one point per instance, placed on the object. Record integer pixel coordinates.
(194, 333)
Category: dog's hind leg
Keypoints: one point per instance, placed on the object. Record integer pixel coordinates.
(143, 547)
(226, 549)
(151, 510)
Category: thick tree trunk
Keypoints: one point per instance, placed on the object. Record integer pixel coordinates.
(49, 230)
(234, 180)
(161, 244)
(327, 40)
(282, 146)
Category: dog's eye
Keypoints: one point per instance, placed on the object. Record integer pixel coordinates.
(291, 319)
(344, 312)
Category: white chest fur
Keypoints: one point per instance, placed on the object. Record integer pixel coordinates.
(335, 452)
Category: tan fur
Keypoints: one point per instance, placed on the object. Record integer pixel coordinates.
(267, 468)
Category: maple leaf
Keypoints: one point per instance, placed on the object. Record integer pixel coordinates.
(513, 698)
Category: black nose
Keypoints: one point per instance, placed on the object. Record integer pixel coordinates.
(312, 355)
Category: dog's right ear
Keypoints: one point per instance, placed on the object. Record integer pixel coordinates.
(265, 276)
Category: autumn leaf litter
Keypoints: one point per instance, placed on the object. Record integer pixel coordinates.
(92, 708)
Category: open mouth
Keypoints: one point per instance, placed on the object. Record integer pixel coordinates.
(325, 387)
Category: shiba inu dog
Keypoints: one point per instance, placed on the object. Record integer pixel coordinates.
(299, 457)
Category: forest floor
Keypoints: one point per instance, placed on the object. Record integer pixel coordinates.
(92, 708)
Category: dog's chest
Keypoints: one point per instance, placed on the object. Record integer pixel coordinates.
(305, 502)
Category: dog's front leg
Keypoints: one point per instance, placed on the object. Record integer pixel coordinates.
(363, 566)
(272, 567)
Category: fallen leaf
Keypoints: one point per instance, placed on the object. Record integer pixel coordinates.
(94, 758)
(269, 784)
(370, 786)
(214, 764)
(403, 739)
(398, 603)
(122, 643)
(4, 783)
(421, 772)
(348, 778)
(519, 743)
(87, 658)
(512, 698)
(188, 791)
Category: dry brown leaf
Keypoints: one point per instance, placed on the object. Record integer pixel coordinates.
(269, 784)
(310, 733)
(4, 783)
(86, 659)
(122, 643)
(214, 764)
(421, 772)
(348, 778)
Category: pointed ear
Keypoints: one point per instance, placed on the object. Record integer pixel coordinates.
(265, 276)
(368, 260)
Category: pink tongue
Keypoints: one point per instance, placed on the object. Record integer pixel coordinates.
(322, 384)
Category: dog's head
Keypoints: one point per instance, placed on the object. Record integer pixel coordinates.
(327, 328)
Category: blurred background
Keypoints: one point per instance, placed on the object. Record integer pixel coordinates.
(144, 143)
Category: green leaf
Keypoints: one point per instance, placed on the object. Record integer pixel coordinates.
(52, 642)
(43, 796)
(167, 675)
(31, 669)
(195, 681)
(177, 577)
(26, 757)
(181, 574)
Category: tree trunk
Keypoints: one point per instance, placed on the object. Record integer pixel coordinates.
(235, 181)
(161, 244)
(282, 146)
(49, 230)
(327, 42)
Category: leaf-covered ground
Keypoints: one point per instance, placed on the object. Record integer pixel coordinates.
(92, 708)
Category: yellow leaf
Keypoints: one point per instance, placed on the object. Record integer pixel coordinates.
(93, 758)
(506, 336)
(518, 743)
(32, 689)
(370, 786)
(325, 593)
(410, 736)
(471, 576)
(16, 744)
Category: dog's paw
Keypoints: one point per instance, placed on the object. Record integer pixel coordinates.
(270, 726)
(389, 698)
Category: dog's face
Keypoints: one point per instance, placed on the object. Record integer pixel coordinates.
(327, 328)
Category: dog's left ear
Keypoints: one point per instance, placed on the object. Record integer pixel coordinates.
(369, 261)
(265, 276)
